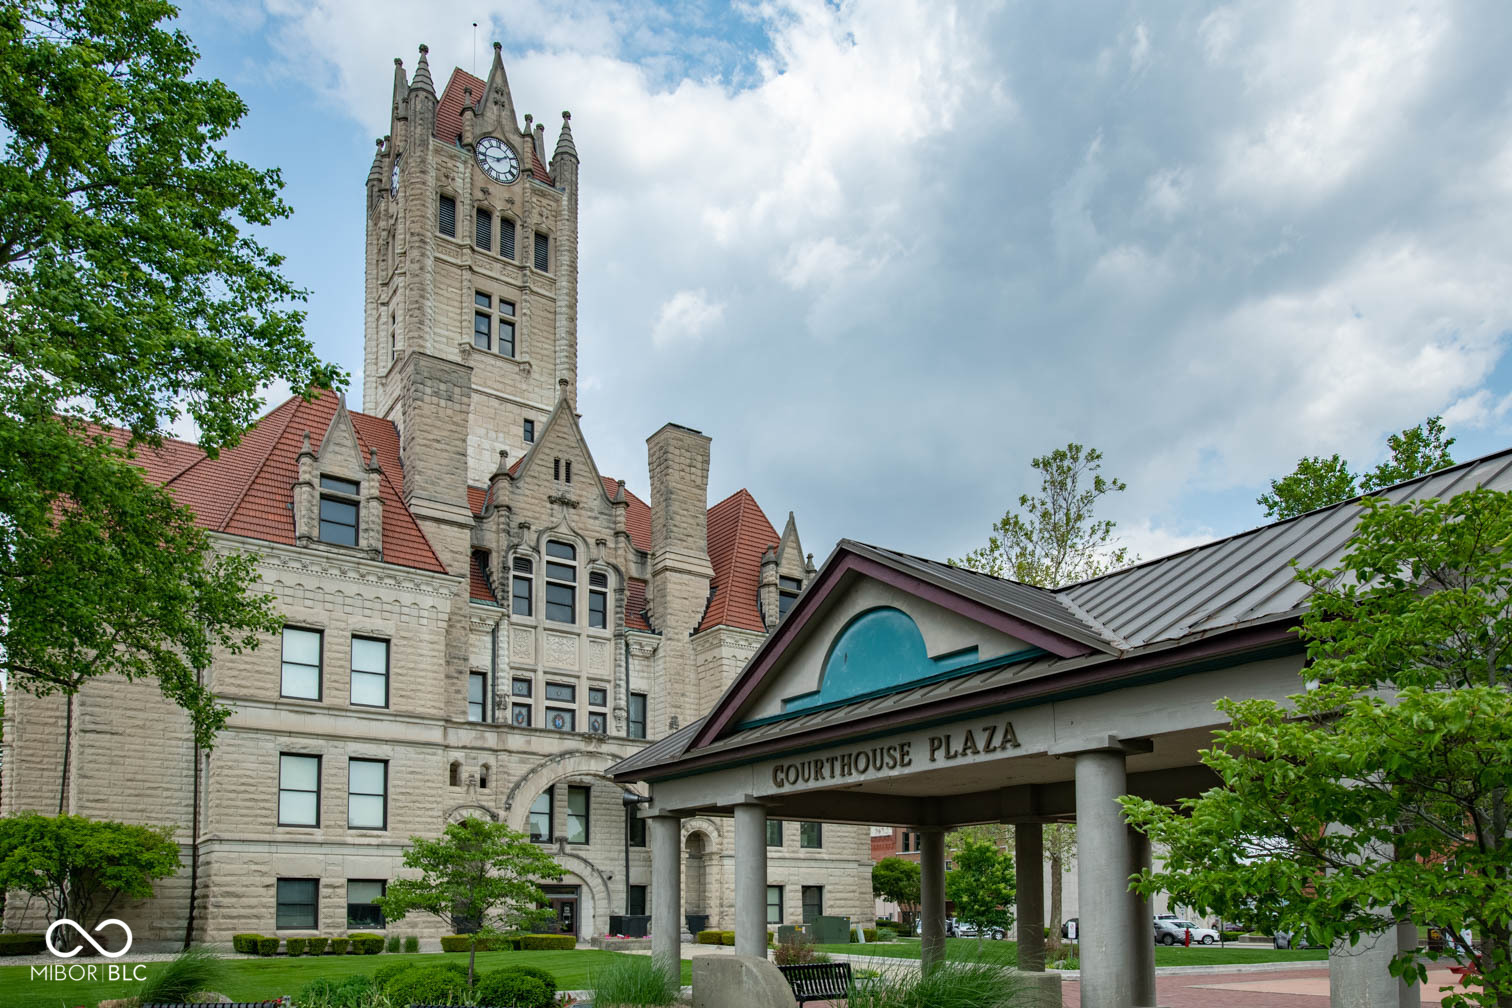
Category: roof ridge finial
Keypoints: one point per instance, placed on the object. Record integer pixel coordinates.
(564, 145)
(422, 79)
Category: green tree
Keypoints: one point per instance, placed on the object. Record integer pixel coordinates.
(1379, 792)
(1318, 482)
(82, 868)
(135, 296)
(896, 880)
(479, 871)
(981, 885)
(1059, 842)
(1055, 538)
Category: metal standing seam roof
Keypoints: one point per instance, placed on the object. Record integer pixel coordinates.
(1244, 580)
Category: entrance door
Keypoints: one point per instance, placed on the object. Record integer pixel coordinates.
(564, 908)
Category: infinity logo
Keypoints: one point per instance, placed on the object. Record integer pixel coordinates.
(48, 938)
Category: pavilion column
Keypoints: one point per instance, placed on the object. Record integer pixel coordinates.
(1144, 943)
(931, 898)
(1029, 866)
(665, 834)
(1106, 922)
(750, 880)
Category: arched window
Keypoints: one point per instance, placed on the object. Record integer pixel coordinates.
(454, 775)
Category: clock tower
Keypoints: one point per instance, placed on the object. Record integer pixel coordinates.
(471, 280)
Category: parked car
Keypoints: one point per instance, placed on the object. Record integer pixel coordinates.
(1293, 940)
(965, 929)
(1173, 931)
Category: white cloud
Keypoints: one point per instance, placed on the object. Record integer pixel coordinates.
(686, 317)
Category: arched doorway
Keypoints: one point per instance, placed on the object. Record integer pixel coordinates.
(696, 882)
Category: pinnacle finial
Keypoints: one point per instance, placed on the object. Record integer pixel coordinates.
(564, 145)
(422, 79)
(498, 46)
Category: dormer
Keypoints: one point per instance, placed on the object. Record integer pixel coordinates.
(785, 572)
(336, 498)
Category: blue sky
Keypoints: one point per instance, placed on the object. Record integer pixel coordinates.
(884, 254)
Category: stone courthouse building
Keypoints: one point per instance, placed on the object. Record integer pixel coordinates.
(478, 621)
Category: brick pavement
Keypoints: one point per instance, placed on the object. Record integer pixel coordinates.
(1302, 989)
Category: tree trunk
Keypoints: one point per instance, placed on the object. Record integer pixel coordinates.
(1055, 894)
(472, 957)
(67, 745)
(194, 852)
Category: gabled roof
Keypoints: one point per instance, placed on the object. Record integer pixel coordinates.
(449, 115)
(739, 533)
(1233, 596)
(248, 490)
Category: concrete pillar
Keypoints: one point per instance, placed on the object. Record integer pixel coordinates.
(1105, 922)
(750, 881)
(1143, 942)
(1029, 866)
(931, 898)
(1358, 976)
(665, 835)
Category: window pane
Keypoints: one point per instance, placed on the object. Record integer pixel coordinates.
(481, 330)
(784, 603)
(637, 725)
(369, 655)
(506, 338)
(298, 808)
(300, 773)
(367, 777)
(774, 832)
(810, 834)
(520, 687)
(301, 681)
(476, 683)
(338, 521)
(520, 715)
(361, 911)
(482, 300)
(598, 723)
(813, 903)
(296, 903)
(598, 696)
(529, 432)
(506, 308)
(365, 812)
(774, 904)
(637, 830)
(561, 691)
(369, 690)
(302, 646)
(561, 549)
(577, 814)
(637, 900)
(560, 603)
(561, 572)
(791, 584)
(540, 817)
(598, 609)
(365, 794)
(561, 720)
(520, 596)
(339, 485)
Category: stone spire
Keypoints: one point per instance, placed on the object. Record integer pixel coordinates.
(401, 86)
(565, 147)
(496, 105)
(422, 81)
(375, 174)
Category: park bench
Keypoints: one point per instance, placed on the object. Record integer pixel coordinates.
(1463, 972)
(818, 981)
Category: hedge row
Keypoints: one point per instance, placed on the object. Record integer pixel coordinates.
(724, 938)
(26, 943)
(513, 943)
(354, 944)
(869, 932)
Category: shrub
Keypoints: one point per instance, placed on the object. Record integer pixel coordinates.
(870, 934)
(427, 985)
(192, 970)
(708, 938)
(365, 943)
(548, 943)
(886, 934)
(633, 982)
(267, 946)
(545, 976)
(317, 946)
(727, 937)
(797, 949)
(515, 989)
(411, 943)
(351, 992)
(952, 985)
(383, 974)
(338, 946)
(391, 943)
(295, 946)
(28, 943)
(486, 943)
(454, 943)
(245, 943)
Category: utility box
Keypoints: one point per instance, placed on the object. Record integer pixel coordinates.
(831, 930)
(789, 933)
(630, 925)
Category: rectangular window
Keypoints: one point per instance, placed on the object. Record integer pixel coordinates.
(477, 696)
(561, 582)
(810, 834)
(529, 432)
(506, 238)
(520, 687)
(338, 514)
(774, 832)
(370, 672)
(637, 830)
(598, 723)
(561, 719)
(483, 232)
(637, 906)
(540, 816)
(482, 331)
(598, 609)
(362, 912)
(577, 813)
(447, 216)
(520, 590)
(367, 794)
(482, 300)
(598, 696)
(506, 338)
(542, 252)
(296, 903)
(298, 790)
(907, 837)
(520, 714)
(787, 593)
(813, 903)
(561, 691)
(301, 664)
(561, 603)
(637, 725)
(774, 904)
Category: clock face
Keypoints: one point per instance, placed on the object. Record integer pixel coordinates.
(497, 159)
(394, 179)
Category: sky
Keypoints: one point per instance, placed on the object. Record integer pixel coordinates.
(886, 253)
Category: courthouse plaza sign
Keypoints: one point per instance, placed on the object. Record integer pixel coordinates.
(858, 764)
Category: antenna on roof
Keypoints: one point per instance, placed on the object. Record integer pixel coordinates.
(475, 49)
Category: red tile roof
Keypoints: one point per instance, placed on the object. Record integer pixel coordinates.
(477, 579)
(476, 497)
(248, 490)
(449, 115)
(635, 604)
(739, 533)
(637, 515)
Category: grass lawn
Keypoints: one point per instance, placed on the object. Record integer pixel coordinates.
(1005, 952)
(265, 979)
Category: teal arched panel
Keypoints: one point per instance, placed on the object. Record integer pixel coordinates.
(878, 650)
